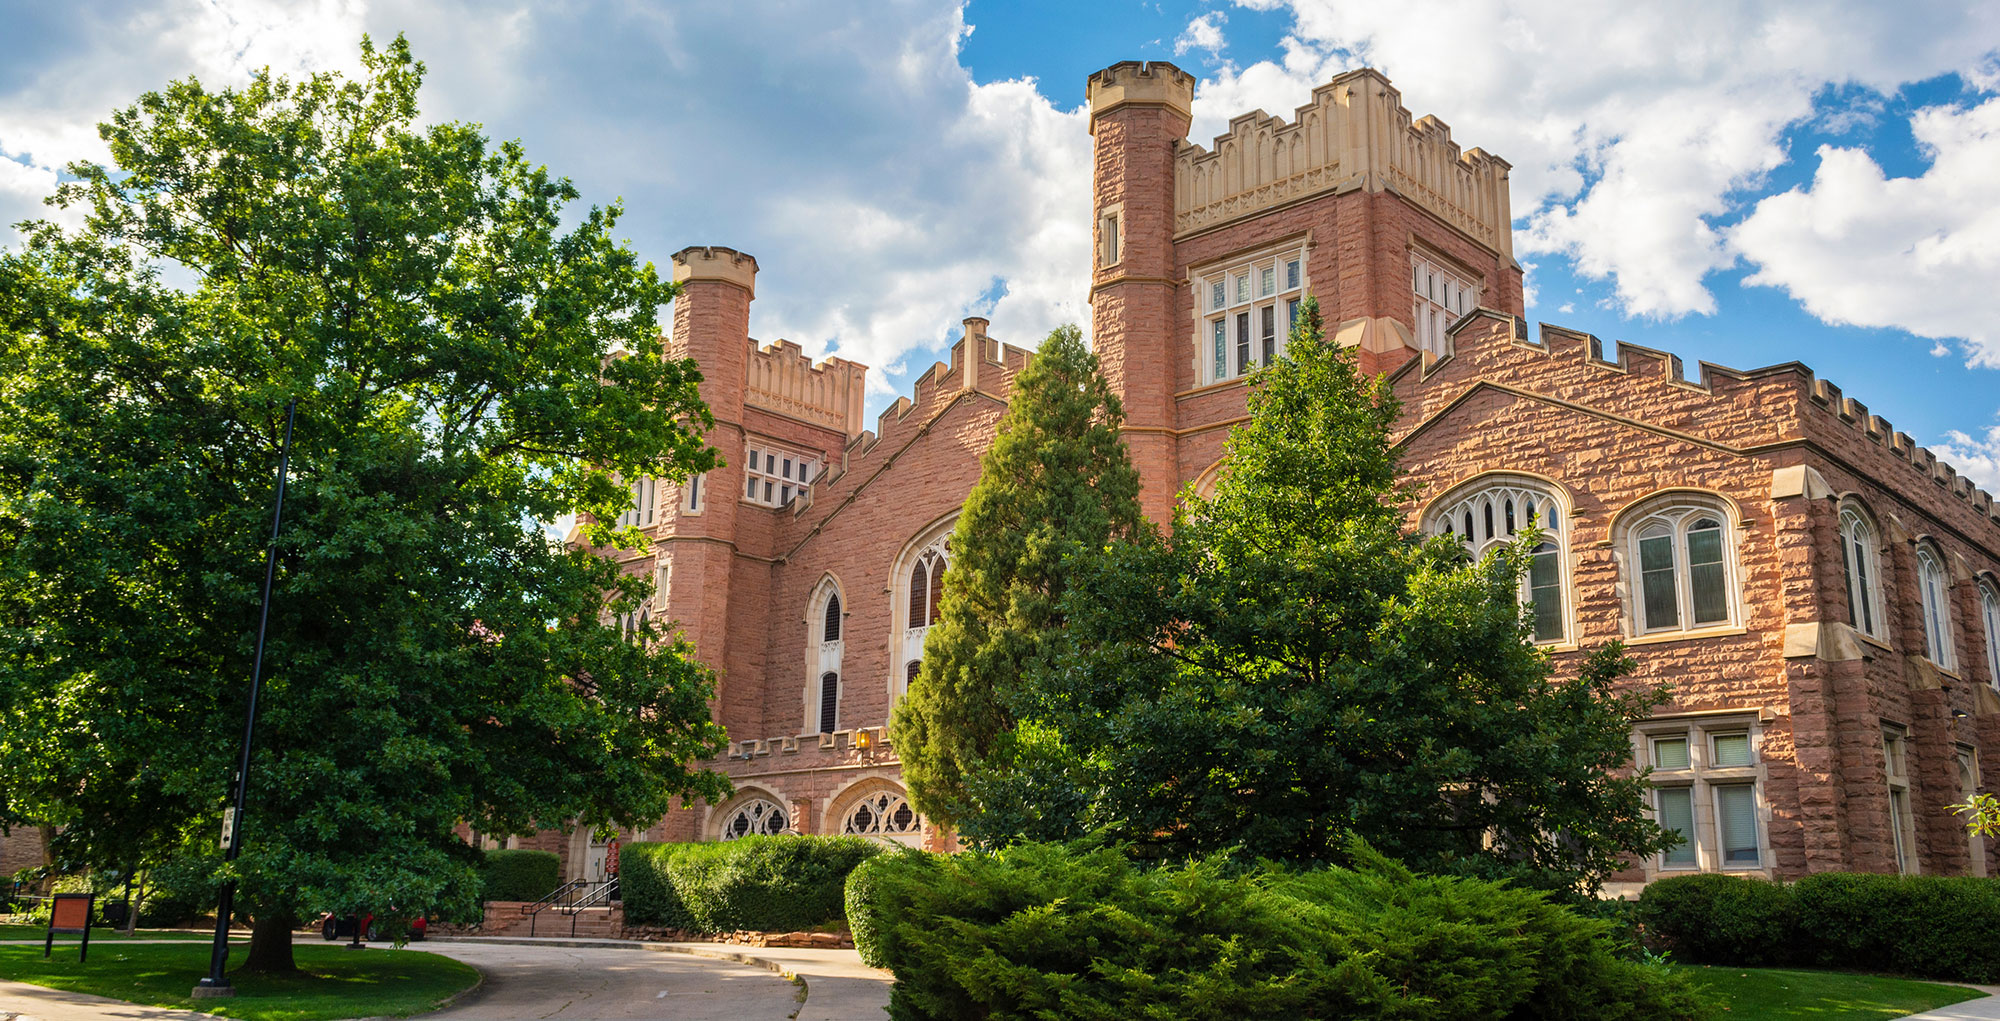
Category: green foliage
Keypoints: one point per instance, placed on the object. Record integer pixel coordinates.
(1928, 926)
(1288, 667)
(520, 875)
(1056, 482)
(1721, 919)
(179, 889)
(447, 323)
(864, 908)
(1040, 930)
(647, 887)
(773, 884)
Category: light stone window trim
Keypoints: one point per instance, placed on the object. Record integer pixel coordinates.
(694, 496)
(1110, 235)
(1492, 510)
(1902, 820)
(912, 610)
(824, 652)
(1968, 786)
(1679, 570)
(1243, 310)
(756, 815)
(1861, 562)
(1989, 618)
(1934, 605)
(774, 476)
(1707, 774)
(884, 815)
(1442, 297)
(641, 511)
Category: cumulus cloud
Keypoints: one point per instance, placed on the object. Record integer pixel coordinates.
(1916, 253)
(1203, 33)
(1976, 458)
(885, 193)
(1633, 128)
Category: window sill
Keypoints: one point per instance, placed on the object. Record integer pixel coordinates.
(1662, 637)
(1942, 670)
(1874, 641)
(1206, 388)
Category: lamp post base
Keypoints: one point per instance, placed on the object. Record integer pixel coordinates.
(204, 991)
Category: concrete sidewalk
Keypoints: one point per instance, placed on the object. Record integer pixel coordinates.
(837, 986)
(22, 1002)
(1986, 1009)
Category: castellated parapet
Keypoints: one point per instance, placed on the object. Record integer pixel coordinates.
(714, 262)
(1355, 134)
(785, 381)
(1136, 83)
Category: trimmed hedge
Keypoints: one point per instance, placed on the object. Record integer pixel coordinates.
(863, 921)
(773, 884)
(1044, 930)
(1721, 919)
(1927, 926)
(520, 875)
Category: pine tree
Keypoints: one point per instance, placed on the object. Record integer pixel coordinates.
(1056, 481)
(1290, 667)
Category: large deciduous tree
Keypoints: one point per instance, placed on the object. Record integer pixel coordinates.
(470, 360)
(1290, 667)
(1056, 482)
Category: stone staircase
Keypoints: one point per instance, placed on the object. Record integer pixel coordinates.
(504, 918)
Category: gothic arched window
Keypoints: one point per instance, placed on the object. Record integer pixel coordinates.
(1498, 512)
(885, 815)
(1989, 614)
(1858, 557)
(1680, 564)
(1934, 591)
(757, 816)
(830, 631)
(829, 702)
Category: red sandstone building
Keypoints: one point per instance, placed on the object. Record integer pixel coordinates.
(1823, 596)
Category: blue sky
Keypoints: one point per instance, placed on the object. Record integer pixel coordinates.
(1745, 184)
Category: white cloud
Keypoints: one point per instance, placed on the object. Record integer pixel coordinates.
(1633, 128)
(885, 194)
(1203, 33)
(1917, 253)
(1975, 458)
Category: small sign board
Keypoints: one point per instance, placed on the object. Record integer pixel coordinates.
(69, 915)
(228, 826)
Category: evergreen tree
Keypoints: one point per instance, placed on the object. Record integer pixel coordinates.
(1289, 667)
(1056, 481)
(435, 658)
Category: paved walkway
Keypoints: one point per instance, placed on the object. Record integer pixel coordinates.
(1987, 1009)
(581, 982)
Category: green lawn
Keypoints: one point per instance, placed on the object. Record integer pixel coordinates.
(1774, 994)
(39, 931)
(334, 982)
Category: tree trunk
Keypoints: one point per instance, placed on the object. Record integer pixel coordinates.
(270, 943)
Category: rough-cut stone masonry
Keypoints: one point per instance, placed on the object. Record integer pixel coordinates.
(1358, 185)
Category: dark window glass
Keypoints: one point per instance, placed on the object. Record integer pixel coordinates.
(1269, 316)
(919, 594)
(1656, 580)
(1705, 581)
(829, 702)
(1545, 592)
(1242, 342)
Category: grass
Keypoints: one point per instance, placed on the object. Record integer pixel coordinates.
(96, 933)
(333, 982)
(1776, 994)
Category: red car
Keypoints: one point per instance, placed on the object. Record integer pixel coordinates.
(331, 928)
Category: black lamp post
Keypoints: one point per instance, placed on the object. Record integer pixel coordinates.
(217, 984)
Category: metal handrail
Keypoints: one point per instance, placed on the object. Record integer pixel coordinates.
(570, 899)
(601, 895)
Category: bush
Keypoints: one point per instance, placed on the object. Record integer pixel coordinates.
(773, 884)
(1721, 919)
(179, 890)
(520, 875)
(1080, 931)
(864, 918)
(1929, 926)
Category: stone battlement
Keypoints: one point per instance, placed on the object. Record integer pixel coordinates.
(1354, 134)
(783, 380)
(1721, 381)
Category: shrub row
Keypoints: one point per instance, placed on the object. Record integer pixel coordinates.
(1927, 926)
(520, 875)
(772, 884)
(1041, 930)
